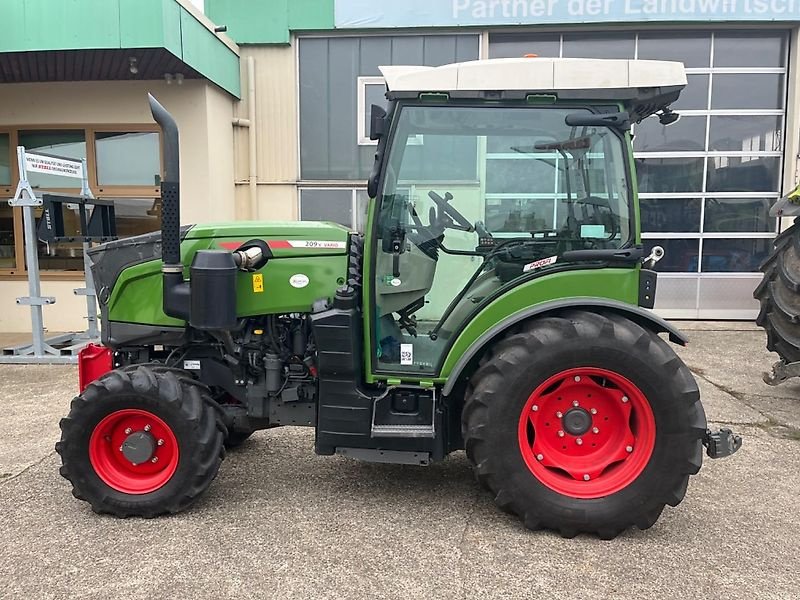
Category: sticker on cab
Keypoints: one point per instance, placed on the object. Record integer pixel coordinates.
(298, 280)
(538, 264)
(406, 354)
(258, 282)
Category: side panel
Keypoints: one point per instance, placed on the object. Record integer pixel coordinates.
(615, 284)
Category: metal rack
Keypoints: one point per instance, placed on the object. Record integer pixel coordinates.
(98, 227)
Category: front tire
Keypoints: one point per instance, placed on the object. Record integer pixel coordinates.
(141, 441)
(584, 423)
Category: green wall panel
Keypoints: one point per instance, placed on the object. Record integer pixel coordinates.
(30, 25)
(269, 22)
(202, 51)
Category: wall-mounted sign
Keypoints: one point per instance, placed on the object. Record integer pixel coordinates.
(448, 13)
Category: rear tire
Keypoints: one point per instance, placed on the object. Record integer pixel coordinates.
(779, 296)
(643, 401)
(175, 421)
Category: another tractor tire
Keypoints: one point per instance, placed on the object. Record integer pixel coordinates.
(584, 423)
(779, 295)
(141, 441)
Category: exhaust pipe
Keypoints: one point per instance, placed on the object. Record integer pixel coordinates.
(176, 293)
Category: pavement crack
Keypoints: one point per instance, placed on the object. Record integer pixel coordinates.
(5, 480)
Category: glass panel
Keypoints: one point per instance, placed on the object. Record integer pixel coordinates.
(667, 175)
(135, 216)
(599, 45)
(692, 49)
(695, 95)
(686, 134)
(743, 174)
(680, 256)
(544, 188)
(747, 90)
(670, 215)
(5, 159)
(7, 260)
(128, 158)
(754, 133)
(327, 205)
(362, 207)
(738, 214)
(514, 45)
(734, 256)
(63, 143)
(749, 49)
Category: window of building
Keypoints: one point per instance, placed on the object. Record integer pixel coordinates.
(128, 158)
(346, 206)
(123, 164)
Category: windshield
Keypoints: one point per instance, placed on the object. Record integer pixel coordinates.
(476, 197)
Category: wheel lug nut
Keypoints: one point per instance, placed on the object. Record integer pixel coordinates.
(559, 414)
(534, 408)
(120, 448)
(575, 403)
(560, 433)
(154, 459)
(595, 430)
(628, 449)
(586, 477)
(540, 457)
(147, 427)
(577, 378)
(624, 399)
(160, 442)
(593, 411)
(579, 441)
(128, 430)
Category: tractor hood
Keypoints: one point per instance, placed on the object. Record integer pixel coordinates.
(307, 262)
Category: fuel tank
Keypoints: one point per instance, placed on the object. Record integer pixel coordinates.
(308, 262)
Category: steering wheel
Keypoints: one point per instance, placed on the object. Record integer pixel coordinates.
(445, 208)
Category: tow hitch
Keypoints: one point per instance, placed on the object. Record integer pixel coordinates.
(722, 443)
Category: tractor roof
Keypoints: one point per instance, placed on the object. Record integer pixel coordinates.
(646, 86)
(536, 74)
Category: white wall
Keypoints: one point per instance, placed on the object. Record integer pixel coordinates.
(203, 113)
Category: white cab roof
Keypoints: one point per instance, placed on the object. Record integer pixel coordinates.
(529, 74)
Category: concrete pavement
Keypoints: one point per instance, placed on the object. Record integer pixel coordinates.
(280, 522)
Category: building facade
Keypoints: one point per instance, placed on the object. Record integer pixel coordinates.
(273, 118)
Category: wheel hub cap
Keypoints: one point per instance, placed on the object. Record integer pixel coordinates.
(587, 432)
(138, 447)
(576, 421)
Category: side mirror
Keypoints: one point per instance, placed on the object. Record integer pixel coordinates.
(377, 122)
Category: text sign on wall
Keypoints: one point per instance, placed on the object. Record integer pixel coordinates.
(39, 163)
(443, 13)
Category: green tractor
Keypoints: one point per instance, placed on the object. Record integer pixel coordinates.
(496, 303)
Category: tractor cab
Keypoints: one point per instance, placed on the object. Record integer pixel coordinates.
(492, 173)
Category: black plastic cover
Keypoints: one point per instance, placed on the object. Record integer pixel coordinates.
(213, 290)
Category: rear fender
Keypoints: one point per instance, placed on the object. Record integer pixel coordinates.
(641, 316)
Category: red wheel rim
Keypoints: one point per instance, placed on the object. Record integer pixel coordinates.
(117, 471)
(587, 432)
